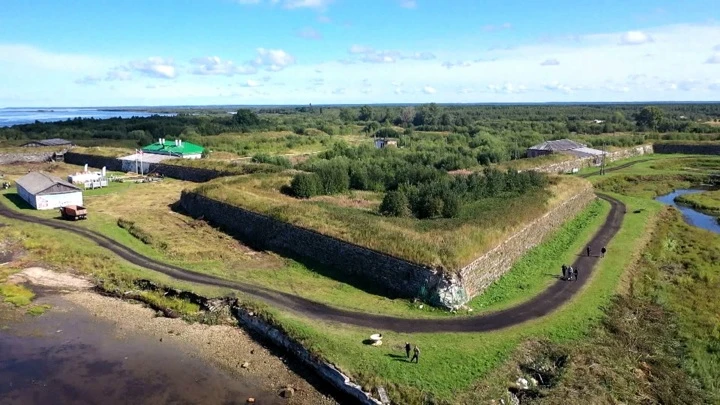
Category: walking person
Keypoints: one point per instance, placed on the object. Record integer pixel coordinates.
(570, 273)
(564, 270)
(575, 273)
(407, 349)
(416, 355)
(603, 251)
(588, 251)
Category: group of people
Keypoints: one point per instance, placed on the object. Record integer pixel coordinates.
(570, 273)
(416, 353)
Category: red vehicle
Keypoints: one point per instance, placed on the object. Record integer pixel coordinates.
(73, 212)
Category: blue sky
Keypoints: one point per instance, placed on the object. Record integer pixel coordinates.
(180, 52)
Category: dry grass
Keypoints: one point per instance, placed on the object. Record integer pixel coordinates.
(149, 207)
(15, 171)
(103, 151)
(442, 243)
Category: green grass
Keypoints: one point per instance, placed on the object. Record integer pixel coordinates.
(452, 362)
(439, 243)
(16, 294)
(707, 201)
(37, 310)
(540, 266)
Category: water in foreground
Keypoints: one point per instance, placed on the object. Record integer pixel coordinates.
(693, 217)
(17, 116)
(74, 355)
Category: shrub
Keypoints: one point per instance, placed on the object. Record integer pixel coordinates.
(281, 161)
(395, 204)
(306, 185)
(386, 132)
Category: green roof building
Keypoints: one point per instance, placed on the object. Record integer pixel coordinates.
(177, 148)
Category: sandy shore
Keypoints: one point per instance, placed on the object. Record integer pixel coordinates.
(235, 354)
(228, 347)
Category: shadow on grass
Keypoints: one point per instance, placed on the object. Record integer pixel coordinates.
(398, 357)
(358, 282)
(16, 200)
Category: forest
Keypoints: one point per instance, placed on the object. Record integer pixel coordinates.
(520, 121)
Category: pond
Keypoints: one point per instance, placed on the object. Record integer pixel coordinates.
(692, 216)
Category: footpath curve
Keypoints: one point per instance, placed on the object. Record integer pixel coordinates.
(544, 303)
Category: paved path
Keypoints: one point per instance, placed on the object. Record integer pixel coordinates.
(549, 300)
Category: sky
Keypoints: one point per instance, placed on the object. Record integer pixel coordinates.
(85, 53)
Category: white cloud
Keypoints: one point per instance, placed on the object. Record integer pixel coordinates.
(317, 4)
(494, 28)
(507, 88)
(450, 65)
(420, 56)
(556, 86)
(273, 59)
(716, 48)
(324, 19)
(339, 91)
(88, 80)
(214, 66)
(550, 62)
(714, 59)
(309, 33)
(635, 38)
(360, 49)
(156, 67)
(408, 3)
(118, 73)
(429, 90)
(251, 83)
(370, 55)
(30, 56)
(290, 4)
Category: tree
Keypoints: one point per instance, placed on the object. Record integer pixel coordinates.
(366, 113)
(246, 118)
(371, 127)
(347, 115)
(451, 206)
(649, 118)
(407, 115)
(395, 204)
(306, 185)
(386, 132)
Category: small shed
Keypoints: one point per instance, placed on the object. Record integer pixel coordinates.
(550, 147)
(44, 191)
(48, 142)
(381, 143)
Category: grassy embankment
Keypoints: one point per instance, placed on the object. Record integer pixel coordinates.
(445, 243)
(453, 362)
(707, 201)
(283, 142)
(159, 232)
(657, 343)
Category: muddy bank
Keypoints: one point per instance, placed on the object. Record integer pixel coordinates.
(94, 349)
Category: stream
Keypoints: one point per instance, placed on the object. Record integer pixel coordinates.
(692, 216)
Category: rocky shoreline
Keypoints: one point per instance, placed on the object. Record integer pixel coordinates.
(226, 347)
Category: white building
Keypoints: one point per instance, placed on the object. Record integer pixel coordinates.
(140, 163)
(44, 191)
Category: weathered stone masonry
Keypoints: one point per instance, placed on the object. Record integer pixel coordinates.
(399, 277)
(489, 267)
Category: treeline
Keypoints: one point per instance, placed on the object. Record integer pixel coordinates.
(413, 184)
(545, 121)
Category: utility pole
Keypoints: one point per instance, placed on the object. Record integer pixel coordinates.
(602, 164)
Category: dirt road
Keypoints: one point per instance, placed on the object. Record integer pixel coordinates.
(549, 300)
